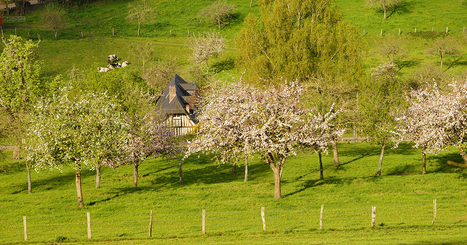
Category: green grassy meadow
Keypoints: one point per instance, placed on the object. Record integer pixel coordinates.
(119, 211)
(175, 19)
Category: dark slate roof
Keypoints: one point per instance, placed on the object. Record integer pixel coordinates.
(177, 105)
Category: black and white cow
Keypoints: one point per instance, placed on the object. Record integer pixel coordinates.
(112, 58)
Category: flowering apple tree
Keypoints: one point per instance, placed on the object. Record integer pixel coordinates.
(435, 120)
(241, 119)
(150, 138)
(87, 130)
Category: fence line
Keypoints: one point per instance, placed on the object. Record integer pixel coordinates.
(30, 228)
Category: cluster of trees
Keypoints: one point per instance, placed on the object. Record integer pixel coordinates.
(238, 121)
(102, 119)
(89, 121)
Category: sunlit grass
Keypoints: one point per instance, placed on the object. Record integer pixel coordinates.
(402, 195)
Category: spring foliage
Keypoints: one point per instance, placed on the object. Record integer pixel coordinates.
(241, 119)
(298, 40)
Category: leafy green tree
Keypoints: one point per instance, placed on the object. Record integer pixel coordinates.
(53, 17)
(88, 130)
(382, 97)
(140, 12)
(158, 74)
(217, 12)
(383, 5)
(392, 48)
(299, 40)
(205, 47)
(20, 85)
(443, 47)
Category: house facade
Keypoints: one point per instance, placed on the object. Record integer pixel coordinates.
(177, 106)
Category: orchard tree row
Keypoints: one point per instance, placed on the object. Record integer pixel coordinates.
(302, 84)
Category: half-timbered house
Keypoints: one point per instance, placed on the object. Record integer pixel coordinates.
(177, 106)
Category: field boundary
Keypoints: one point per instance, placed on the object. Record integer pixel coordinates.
(143, 225)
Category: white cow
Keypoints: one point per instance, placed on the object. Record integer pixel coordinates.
(102, 69)
(125, 63)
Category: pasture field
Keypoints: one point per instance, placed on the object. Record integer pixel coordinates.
(174, 20)
(120, 212)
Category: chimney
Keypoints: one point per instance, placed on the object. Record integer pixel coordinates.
(172, 93)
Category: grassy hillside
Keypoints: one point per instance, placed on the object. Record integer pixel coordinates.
(175, 19)
(426, 15)
(402, 196)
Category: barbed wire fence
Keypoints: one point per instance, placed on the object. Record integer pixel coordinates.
(167, 225)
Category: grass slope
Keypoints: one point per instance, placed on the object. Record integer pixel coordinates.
(175, 19)
(402, 196)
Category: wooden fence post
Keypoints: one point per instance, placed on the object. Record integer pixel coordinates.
(113, 32)
(89, 224)
(434, 211)
(415, 30)
(364, 32)
(381, 33)
(150, 224)
(447, 29)
(263, 218)
(399, 31)
(25, 228)
(204, 222)
(321, 217)
(82, 34)
(373, 216)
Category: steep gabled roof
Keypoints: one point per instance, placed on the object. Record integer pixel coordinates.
(174, 97)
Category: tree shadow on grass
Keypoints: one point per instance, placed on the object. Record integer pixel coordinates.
(407, 63)
(403, 170)
(224, 64)
(403, 8)
(56, 181)
(331, 181)
(442, 165)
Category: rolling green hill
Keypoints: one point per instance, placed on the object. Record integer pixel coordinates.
(174, 20)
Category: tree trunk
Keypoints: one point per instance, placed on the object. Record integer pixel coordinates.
(79, 191)
(234, 168)
(336, 153)
(139, 27)
(380, 165)
(135, 174)
(464, 156)
(424, 160)
(321, 175)
(16, 152)
(98, 175)
(277, 184)
(55, 33)
(441, 62)
(246, 169)
(180, 164)
(384, 10)
(251, 3)
(29, 178)
(219, 23)
(207, 68)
